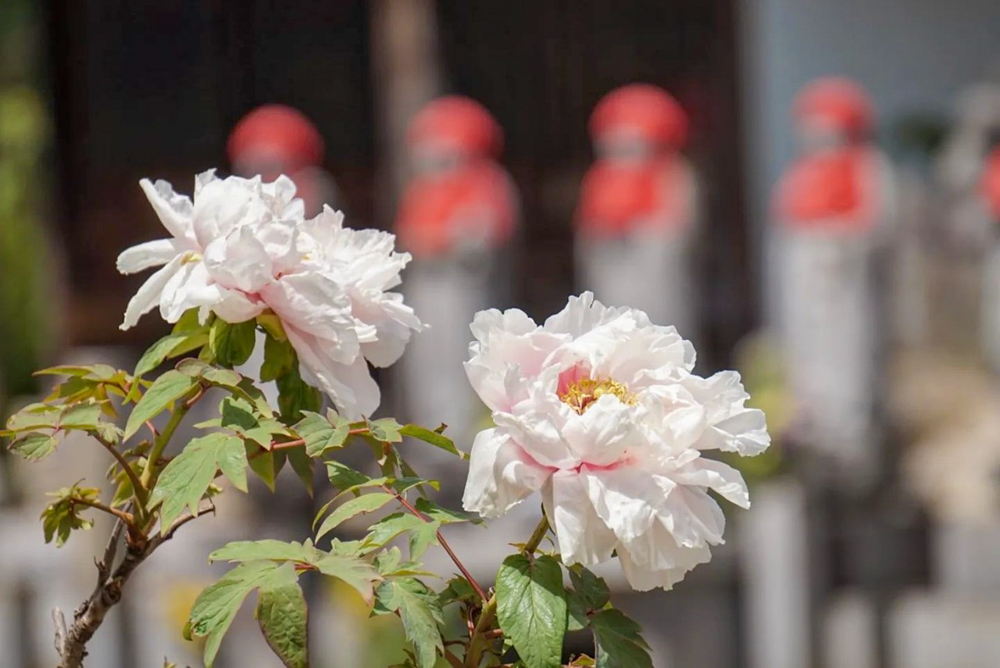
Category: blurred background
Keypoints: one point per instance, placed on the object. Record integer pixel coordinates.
(809, 191)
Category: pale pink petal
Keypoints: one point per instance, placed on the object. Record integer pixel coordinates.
(173, 210)
(583, 537)
(149, 295)
(350, 385)
(500, 475)
(148, 255)
(715, 475)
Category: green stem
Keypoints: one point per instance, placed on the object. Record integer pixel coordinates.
(161, 442)
(478, 641)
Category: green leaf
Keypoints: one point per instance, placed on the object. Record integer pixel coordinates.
(385, 430)
(435, 438)
(266, 464)
(281, 613)
(61, 517)
(35, 446)
(91, 371)
(268, 549)
(421, 614)
(347, 566)
(186, 479)
(166, 389)
(279, 359)
(232, 344)
(271, 324)
(343, 477)
(422, 537)
(322, 434)
(216, 607)
(302, 464)
(531, 608)
(161, 350)
(352, 570)
(445, 515)
(458, 589)
(389, 527)
(296, 396)
(33, 416)
(365, 503)
(592, 589)
(619, 643)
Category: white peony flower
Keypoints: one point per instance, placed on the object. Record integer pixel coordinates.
(599, 411)
(243, 246)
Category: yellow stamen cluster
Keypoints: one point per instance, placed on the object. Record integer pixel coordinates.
(584, 392)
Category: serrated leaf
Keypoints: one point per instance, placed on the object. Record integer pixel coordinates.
(186, 479)
(269, 550)
(365, 503)
(445, 515)
(92, 371)
(421, 614)
(389, 527)
(531, 608)
(385, 430)
(352, 570)
(619, 642)
(422, 537)
(266, 464)
(435, 438)
(343, 476)
(165, 390)
(33, 416)
(216, 607)
(346, 564)
(320, 434)
(34, 446)
(458, 589)
(158, 352)
(61, 517)
(281, 613)
(593, 590)
(232, 344)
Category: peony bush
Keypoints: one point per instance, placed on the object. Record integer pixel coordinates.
(597, 410)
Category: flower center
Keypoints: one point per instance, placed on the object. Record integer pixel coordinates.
(582, 393)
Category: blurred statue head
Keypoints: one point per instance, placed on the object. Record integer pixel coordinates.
(450, 131)
(637, 121)
(274, 139)
(831, 112)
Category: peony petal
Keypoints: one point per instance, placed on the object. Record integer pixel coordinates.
(582, 535)
(150, 294)
(500, 475)
(720, 477)
(317, 306)
(350, 386)
(624, 498)
(174, 211)
(602, 434)
(643, 576)
(147, 255)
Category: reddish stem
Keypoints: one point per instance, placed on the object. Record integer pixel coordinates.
(442, 541)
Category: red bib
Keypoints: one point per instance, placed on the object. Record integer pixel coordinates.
(617, 198)
(433, 207)
(831, 189)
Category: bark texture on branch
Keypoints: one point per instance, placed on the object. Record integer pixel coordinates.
(71, 642)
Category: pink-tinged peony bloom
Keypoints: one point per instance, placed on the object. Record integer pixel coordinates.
(598, 409)
(242, 247)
